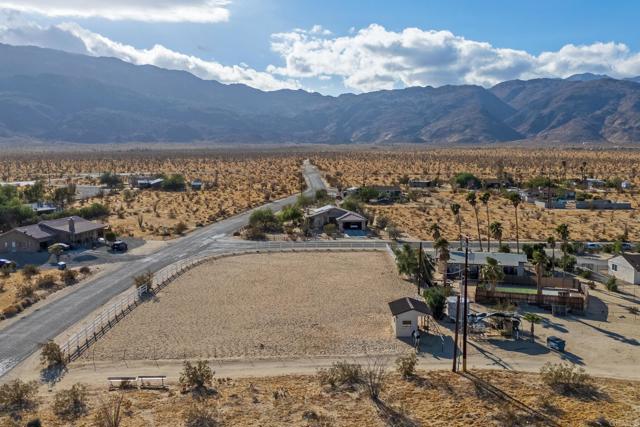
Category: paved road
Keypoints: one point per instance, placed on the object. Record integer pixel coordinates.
(21, 338)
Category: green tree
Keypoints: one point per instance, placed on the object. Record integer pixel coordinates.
(455, 209)
(174, 182)
(533, 319)
(484, 198)
(466, 180)
(264, 220)
(291, 213)
(551, 241)
(473, 201)
(563, 232)
(539, 260)
(442, 248)
(436, 300)
(407, 261)
(492, 273)
(56, 250)
(515, 200)
(495, 229)
(34, 193)
(111, 180)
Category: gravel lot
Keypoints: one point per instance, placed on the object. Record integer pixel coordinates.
(266, 305)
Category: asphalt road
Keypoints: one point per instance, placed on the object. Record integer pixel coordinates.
(22, 338)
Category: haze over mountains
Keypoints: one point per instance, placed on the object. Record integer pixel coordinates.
(55, 96)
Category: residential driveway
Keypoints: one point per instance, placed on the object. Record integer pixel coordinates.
(23, 337)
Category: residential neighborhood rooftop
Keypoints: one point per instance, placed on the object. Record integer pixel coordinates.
(480, 258)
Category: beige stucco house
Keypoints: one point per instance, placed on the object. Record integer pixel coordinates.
(407, 315)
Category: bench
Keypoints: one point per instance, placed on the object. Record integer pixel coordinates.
(121, 382)
(152, 381)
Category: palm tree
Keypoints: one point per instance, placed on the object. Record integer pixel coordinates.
(515, 201)
(473, 201)
(484, 198)
(442, 246)
(435, 233)
(492, 273)
(551, 241)
(533, 319)
(540, 261)
(455, 209)
(496, 232)
(563, 232)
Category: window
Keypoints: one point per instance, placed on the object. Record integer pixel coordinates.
(614, 267)
(406, 323)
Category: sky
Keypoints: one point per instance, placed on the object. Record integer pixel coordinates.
(333, 46)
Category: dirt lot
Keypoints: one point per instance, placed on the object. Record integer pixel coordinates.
(435, 398)
(264, 306)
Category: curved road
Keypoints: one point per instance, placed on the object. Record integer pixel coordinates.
(22, 338)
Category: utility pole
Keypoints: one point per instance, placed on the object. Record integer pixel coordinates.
(455, 341)
(466, 306)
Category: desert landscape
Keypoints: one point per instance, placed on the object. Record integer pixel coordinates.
(380, 167)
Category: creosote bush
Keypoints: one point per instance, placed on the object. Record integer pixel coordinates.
(17, 396)
(196, 377)
(406, 365)
(30, 270)
(201, 416)
(341, 374)
(71, 403)
(52, 356)
(69, 277)
(111, 411)
(564, 377)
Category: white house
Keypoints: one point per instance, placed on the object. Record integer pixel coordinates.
(626, 267)
(512, 264)
(407, 313)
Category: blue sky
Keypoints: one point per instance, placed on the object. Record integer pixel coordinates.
(270, 44)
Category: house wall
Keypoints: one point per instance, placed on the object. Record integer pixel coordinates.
(14, 241)
(622, 270)
(404, 331)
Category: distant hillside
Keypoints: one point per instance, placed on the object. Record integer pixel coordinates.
(56, 96)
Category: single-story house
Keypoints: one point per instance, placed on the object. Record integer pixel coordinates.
(145, 182)
(421, 183)
(33, 238)
(388, 191)
(329, 214)
(196, 185)
(406, 314)
(602, 205)
(595, 183)
(512, 264)
(43, 208)
(625, 267)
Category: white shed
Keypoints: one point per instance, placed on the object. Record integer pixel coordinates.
(626, 267)
(406, 314)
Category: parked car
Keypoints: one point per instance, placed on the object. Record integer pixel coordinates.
(4, 261)
(62, 265)
(119, 246)
(627, 246)
(593, 246)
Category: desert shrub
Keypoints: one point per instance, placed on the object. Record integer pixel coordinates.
(180, 227)
(330, 229)
(72, 403)
(174, 182)
(7, 269)
(17, 396)
(254, 234)
(264, 220)
(564, 377)
(11, 311)
(374, 376)
(144, 279)
(196, 377)
(69, 277)
(200, 416)
(30, 270)
(110, 412)
(341, 374)
(382, 222)
(291, 213)
(436, 300)
(393, 232)
(406, 364)
(34, 423)
(352, 204)
(504, 248)
(612, 284)
(24, 291)
(45, 282)
(585, 274)
(52, 356)
(110, 236)
(111, 180)
(85, 270)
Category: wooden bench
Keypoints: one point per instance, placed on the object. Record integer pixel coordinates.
(121, 382)
(152, 381)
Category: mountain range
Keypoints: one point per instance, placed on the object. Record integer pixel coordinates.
(50, 95)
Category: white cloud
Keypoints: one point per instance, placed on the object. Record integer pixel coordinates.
(73, 38)
(374, 58)
(136, 10)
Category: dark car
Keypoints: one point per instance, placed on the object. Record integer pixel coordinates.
(119, 246)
